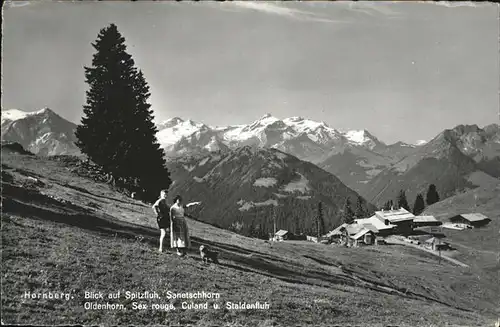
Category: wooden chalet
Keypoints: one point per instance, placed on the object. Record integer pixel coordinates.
(401, 218)
(421, 221)
(363, 237)
(376, 225)
(470, 219)
(283, 235)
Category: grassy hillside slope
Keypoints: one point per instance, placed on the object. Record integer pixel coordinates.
(61, 232)
(478, 246)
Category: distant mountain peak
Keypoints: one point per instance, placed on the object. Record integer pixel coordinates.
(420, 142)
(362, 137)
(267, 118)
(16, 114)
(175, 119)
(170, 122)
(42, 132)
(402, 144)
(45, 110)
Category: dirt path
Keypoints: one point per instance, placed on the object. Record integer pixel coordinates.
(392, 240)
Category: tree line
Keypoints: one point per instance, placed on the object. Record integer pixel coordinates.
(348, 214)
(419, 204)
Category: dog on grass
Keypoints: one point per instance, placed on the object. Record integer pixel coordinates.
(207, 254)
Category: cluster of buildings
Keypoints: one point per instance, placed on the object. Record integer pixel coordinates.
(373, 230)
(422, 230)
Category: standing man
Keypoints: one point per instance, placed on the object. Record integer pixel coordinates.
(161, 209)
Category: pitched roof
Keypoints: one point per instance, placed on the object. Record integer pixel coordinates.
(474, 216)
(353, 228)
(375, 222)
(361, 233)
(281, 232)
(371, 227)
(336, 231)
(425, 219)
(395, 215)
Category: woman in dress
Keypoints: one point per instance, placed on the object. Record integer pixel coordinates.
(179, 232)
(160, 207)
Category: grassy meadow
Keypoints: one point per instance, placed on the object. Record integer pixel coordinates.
(65, 233)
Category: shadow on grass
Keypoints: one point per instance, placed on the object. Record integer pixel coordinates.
(235, 249)
(81, 219)
(111, 226)
(81, 189)
(239, 258)
(33, 195)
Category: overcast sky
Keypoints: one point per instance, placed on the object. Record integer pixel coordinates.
(403, 71)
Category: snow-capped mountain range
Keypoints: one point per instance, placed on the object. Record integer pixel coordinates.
(356, 157)
(42, 132)
(304, 138)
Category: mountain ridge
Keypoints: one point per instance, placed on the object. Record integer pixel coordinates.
(249, 184)
(447, 161)
(42, 132)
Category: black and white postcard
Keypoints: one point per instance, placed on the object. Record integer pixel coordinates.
(250, 163)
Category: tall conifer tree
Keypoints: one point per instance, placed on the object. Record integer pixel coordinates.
(419, 205)
(402, 201)
(432, 195)
(117, 130)
(348, 213)
(320, 223)
(360, 211)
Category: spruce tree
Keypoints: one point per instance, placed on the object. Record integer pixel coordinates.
(402, 201)
(388, 205)
(117, 130)
(419, 205)
(432, 195)
(296, 225)
(320, 223)
(347, 214)
(360, 211)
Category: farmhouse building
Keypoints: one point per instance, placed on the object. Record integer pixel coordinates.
(471, 219)
(282, 235)
(435, 243)
(376, 225)
(336, 233)
(420, 221)
(401, 218)
(354, 234)
(363, 237)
